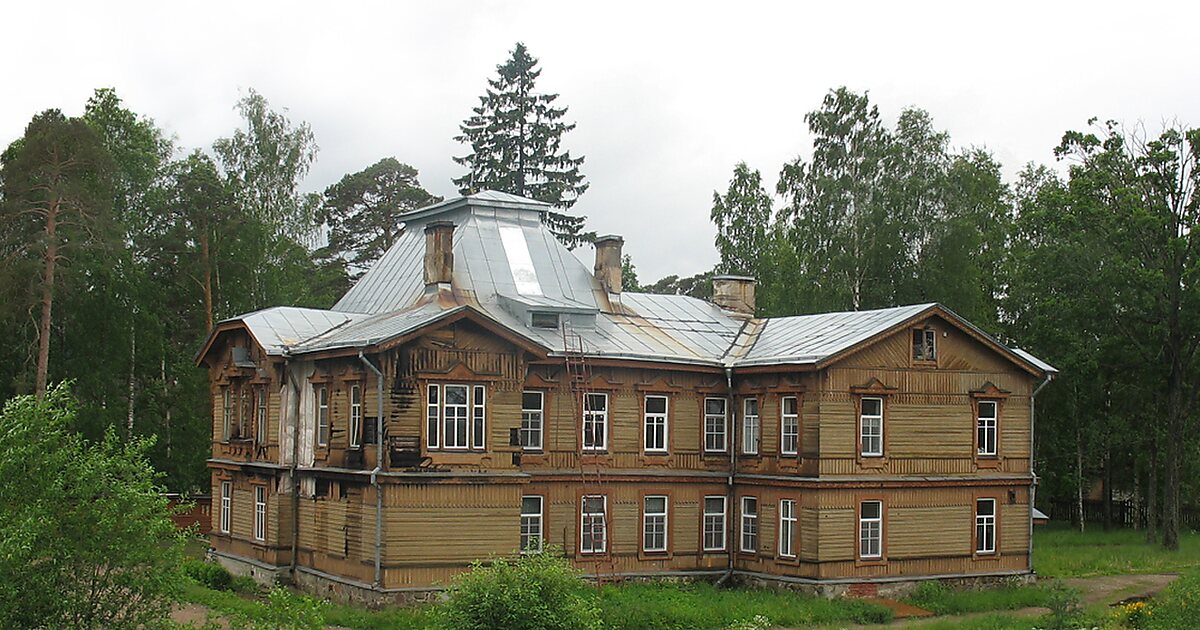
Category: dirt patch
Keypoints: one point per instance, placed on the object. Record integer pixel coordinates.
(1110, 589)
(195, 616)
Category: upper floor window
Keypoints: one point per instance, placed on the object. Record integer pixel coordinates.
(260, 415)
(654, 523)
(714, 523)
(871, 426)
(356, 416)
(924, 344)
(787, 528)
(532, 405)
(531, 524)
(322, 416)
(985, 428)
(749, 524)
(789, 425)
(226, 413)
(593, 524)
(595, 422)
(750, 427)
(714, 424)
(244, 411)
(985, 526)
(455, 416)
(870, 529)
(656, 424)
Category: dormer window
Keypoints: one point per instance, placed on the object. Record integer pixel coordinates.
(924, 346)
(544, 320)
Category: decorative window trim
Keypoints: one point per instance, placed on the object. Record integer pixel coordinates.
(986, 395)
(866, 442)
(723, 434)
(530, 415)
(665, 515)
(867, 559)
(751, 426)
(794, 451)
(752, 519)
(663, 419)
(872, 389)
(536, 521)
(707, 517)
(982, 520)
(592, 418)
(788, 516)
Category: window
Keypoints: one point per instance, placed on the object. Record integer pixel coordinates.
(543, 320)
(531, 524)
(750, 426)
(787, 528)
(656, 424)
(244, 412)
(714, 523)
(870, 529)
(924, 344)
(531, 420)
(226, 501)
(714, 424)
(478, 418)
(985, 428)
(592, 525)
(871, 425)
(789, 425)
(654, 523)
(356, 416)
(454, 417)
(985, 526)
(260, 513)
(595, 422)
(260, 417)
(226, 413)
(432, 416)
(749, 524)
(322, 416)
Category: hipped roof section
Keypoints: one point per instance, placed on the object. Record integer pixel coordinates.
(504, 256)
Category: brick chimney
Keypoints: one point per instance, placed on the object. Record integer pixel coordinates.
(608, 262)
(734, 293)
(439, 253)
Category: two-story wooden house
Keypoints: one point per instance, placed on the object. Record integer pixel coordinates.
(481, 393)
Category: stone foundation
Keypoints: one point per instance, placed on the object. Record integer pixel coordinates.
(262, 573)
(892, 588)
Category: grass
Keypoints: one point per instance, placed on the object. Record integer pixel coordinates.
(1062, 552)
(942, 600)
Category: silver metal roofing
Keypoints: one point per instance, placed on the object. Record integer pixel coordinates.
(1042, 365)
(508, 264)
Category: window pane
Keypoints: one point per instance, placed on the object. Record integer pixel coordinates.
(789, 405)
(456, 394)
(656, 404)
(872, 407)
(871, 509)
(751, 406)
(985, 507)
(531, 505)
(987, 409)
(596, 402)
(531, 400)
(593, 505)
(656, 505)
(714, 505)
(714, 406)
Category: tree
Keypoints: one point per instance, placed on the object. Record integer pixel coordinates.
(742, 217)
(56, 204)
(515, 135)
(85, 535)
(629, 277)
(363, 211)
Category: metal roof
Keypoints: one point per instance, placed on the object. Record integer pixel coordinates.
(507, 264)
(1042, 365)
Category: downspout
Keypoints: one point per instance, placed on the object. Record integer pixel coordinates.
(378, 468)
(295, 430)
(733, 425)
(1033, 482)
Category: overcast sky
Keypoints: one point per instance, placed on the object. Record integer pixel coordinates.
(667, 97)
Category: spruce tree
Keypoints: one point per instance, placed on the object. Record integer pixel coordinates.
(515, 136)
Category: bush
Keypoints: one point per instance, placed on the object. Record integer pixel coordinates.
(534, 592)
(1065, 610)
(209, 574)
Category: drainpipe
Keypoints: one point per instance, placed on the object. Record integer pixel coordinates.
(378, 468)
(1033, 484)
(729, 498)
(295, 430)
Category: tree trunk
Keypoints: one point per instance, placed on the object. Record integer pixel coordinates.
(162, 377)
(1079, 477)
(47, 302)
(1175, 435)
(208, 287)
(132, 381)
(1152, 492)
(1108, 492)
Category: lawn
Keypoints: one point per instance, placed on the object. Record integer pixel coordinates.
(1062, 552)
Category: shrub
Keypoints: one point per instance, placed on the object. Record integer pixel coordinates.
(1065, 609)
(243, 584)
(209, 574)
(534, 592)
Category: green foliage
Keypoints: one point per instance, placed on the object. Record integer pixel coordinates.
(742, 217)
(85, 535)
(697, 286)
(209, 574)
(515, 135)
(942, 600)
(538, 591)
(629, 277)
(1062, 552)
(1066, 611)
(1175, 607)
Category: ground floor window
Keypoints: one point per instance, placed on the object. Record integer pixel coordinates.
(226, 504)
(593, 529)
(654, 523)
(787, 528)
(531, 524)
(870, 529)
(260, 513)
(749, 524)
(714, 523)
(985, 526)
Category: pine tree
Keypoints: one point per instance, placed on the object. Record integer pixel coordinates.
(516, 146)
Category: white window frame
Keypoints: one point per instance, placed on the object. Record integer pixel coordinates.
(987, 428)
(260, 513)
(714, 524)
(870, 532)
(654, 425)
(660, 523)
(595, 422)
(260, 414)
(478, 428)
(356, 416)
(532, 421)
(876, 432)
(322, 415)
(531, 526)
(749, 533)
(594, 522)
(226, 507)
(227, 413)
(442, 429)
(985, 527)
(751, 427)
(789, 426)
(433, 416)
(462, 415)
(787, 528)
(712, 422)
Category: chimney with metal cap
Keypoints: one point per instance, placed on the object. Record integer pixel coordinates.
(734, 293)
(608, 262)
(439, 253)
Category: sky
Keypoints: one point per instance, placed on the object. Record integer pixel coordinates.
(667, 96)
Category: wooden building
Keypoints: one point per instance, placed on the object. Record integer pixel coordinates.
(480, 393)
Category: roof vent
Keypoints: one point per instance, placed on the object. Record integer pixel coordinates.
(734, 293)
